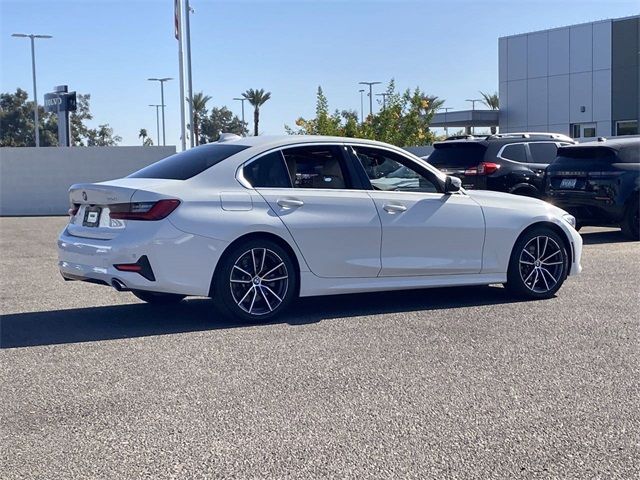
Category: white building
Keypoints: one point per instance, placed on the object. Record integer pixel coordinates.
(581, 80)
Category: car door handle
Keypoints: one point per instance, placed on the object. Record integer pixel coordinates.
(394, 208)
(290, 202)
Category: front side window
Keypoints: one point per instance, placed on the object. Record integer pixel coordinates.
(543, 152)
(316, 166)
(268, 171)
(389, 171)
(515, 152)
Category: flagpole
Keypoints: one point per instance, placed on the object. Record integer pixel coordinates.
(181, 66)
(187, 31)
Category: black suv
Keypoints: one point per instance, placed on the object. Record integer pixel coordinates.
(598, 183)
(510, 162)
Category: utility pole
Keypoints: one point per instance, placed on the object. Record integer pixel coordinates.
(187, 30)
(32, 37)
(371, 84)
(384, 99)
(179, 37)
(361, 105)
(241, 99)
(157, 120)
(162, 80)
(473, 107)
(446, 129)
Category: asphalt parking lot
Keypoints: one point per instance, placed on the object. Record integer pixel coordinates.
(446, 383)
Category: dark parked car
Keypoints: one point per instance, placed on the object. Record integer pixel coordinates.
(512, 162)
(598, 183)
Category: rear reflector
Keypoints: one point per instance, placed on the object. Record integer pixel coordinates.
(143, 210)
(142, 266)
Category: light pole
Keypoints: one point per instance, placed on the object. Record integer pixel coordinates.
(32, 37)
(157, 119)
(371, 84)
(446, 109)
(361, 105)
(384, 99)
(162, 80)
(241, 99)
(473, 107)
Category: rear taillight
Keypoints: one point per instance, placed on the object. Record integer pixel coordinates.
(484, 168)
(143, 210)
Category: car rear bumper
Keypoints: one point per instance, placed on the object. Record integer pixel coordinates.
(588, 209)
(182, 263)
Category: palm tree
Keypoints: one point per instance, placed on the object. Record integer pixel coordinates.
(199, 111)
(492, 101)
(257, 98)
(146, 140)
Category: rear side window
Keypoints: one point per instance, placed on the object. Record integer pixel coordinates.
(189, 163)
(318, 166)
(457, 155)
(543, 152)
(269, 171)
(515, 152)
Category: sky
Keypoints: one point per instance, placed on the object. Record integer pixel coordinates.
(108, 48)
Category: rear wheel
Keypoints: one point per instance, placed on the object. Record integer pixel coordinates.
(631, 222)
(539, 264)
(255, 281)
(157, 297)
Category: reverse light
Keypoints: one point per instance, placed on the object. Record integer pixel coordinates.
(143, 210)
(484, 168)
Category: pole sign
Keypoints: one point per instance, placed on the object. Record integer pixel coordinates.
(61, 102)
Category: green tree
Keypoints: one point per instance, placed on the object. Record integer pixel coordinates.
(403, 122)
(221, 120)
(256, 98)
(199, 113)
(146, 139)
(17, 125)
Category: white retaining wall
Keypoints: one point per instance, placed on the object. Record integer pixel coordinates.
(35, 181)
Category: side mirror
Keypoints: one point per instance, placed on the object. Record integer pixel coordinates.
(452, 184)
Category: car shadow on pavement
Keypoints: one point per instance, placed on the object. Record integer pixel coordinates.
(139, 320)
(610, 236)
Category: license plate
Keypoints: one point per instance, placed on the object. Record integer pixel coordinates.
(568, 183)
(91, 217)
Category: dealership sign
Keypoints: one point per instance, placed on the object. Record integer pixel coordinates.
(57, 102)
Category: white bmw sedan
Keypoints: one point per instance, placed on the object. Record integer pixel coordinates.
(255, 222)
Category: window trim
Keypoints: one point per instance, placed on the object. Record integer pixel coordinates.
(354, 179)
(527, 154)
(421, 169)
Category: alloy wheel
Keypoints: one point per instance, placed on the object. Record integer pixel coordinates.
(259, 281)
(541, 264)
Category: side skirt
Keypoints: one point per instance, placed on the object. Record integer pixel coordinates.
(310, 285)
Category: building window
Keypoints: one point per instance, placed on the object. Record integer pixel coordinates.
(589, 131)
(627, 127)
(575, 130)
(582, 130)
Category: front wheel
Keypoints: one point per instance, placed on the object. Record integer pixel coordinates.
(255, 281)
(157, 297)
(539, 264)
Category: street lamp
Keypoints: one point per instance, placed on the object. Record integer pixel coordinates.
(371, 84)
(361, 105)
(473, 107)
(241, 99)
(157, 119)
(33, 71)
(446, 109)
(384, 99)
(162, 80)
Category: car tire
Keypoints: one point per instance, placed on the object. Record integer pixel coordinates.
(255, 281)
(539, 264)
(158, 298)
(631, 223)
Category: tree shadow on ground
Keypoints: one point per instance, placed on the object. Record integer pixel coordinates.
(139, 320)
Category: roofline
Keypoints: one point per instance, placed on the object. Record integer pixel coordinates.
(604, 20)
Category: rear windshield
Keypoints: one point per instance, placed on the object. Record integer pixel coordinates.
(189, 163)
(454, 155)
(571, 154)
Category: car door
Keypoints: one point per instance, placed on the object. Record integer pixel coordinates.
(424, 231)
(333, 221)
